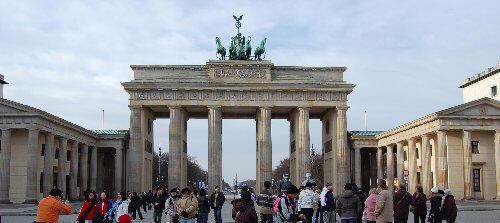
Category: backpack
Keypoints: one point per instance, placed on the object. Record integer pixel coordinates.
(277, 206)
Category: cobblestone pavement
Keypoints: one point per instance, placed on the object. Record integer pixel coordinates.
(483, 212)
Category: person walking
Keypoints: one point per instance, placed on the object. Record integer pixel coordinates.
(328, 204)
(308, 201)
(158, 201)
(145, 201)
(203, 206)
(89, 207)
(384, 205)
(286, 206)
(402, 201)
(171, 207)
(419, 205)
(103, 206)
(244, 209)
(348, 205)
(112, 214)
(362, 197)
(435, 212)
(370, 204)
(187, 207)
(50, 207)
(217, 200)
(449, 210)
(135, 206)
(265, 202)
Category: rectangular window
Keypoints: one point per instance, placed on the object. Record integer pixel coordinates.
(476, 179)
(41, 182)
(475, 147)
(327, 127)
(494, 91)
(416, 152)
(57, 153)
(430, 147)
(43, 149)
(406, 155)
(68, 155)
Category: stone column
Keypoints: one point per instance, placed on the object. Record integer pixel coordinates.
(264, 147)
(5, 156)
(84, 170)
(302, 143)
(441, 165)
(61, 165)
(214, 147)
(497, 160)
(135, 153)
(48, 159)
(425, 159)
(466, 144)
(32, 168)
(400, 153)
(390, 167)
(380, 171)
(412, 166)
(357, 166)
(118, 168)
(342, 157)
(175, 159)
(93, 168)
(73, 171)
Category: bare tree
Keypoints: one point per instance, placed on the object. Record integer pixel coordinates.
(194, 171)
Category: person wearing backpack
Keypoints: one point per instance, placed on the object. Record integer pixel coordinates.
(286, 206)
(328, 204)
(265, 201)
(203, 206)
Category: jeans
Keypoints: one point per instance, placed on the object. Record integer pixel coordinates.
(186, 220)
(401, 220)
(266, 218)
(354, 220)
(202, 217)
(157, 216)
(416, 218)
(329, 217)
(138, 210)
(217, 215)
(308, 212)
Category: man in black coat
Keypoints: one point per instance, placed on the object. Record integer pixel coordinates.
(158, 201)
(135, 206)
(402, 201)
(217, 200)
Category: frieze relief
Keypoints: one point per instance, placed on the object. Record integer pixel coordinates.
(239, 95)
(240, 73)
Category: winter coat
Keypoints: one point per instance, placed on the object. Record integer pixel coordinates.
(203, 204)
(436, 206)
(329, 201)
(265, 201)
(308, 199)
(384, 206)
(370, 204)
(50, 208)
(420, 204)
(86, 205)
(158, 202)
(219, 202)
(171, 208)
(122, 209)
(402, 201)
(103, 207)
(287, 210)
(322, 196)
(244, 211)
(449, 210)
(111, 214)
(135, 203)
(188, 204)
(348, 205)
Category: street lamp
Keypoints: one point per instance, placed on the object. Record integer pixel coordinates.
(159, 166)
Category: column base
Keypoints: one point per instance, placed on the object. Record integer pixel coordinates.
(5, 202)
(31, 201)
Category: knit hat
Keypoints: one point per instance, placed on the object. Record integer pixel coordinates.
(125, 218)
(448, 192)
(435, 190)
(292, 189)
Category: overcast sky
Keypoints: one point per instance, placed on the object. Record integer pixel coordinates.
(407, 59)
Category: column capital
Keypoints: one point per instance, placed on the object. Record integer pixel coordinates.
(343, 108)
(400, 144)
(265, 107)
(497, 131)
(304, 108)
(214, 107)
(175, 107)
(135, 106)
(411, 140)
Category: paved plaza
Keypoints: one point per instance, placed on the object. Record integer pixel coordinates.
(484, 212)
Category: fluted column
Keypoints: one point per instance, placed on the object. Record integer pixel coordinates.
(390, 167)
(214, 147)
(118, 168)
(342, 153)
(466, 144)
(5, 156)
(32, 166)
(441, 167)
(425, 158)
(175, 148)
(135, 153)
(400, 157)
(412, 166)
(264, 147)
(303, 142)
(357, 166)
(61, 164)
(73, 171)
(48, 159)
(93, 168)
(497, 160)
(84, 170)
(380, 170)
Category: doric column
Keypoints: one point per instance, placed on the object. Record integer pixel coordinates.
(48, 158)
(5, 156)
(497, 160)
(214, 147)
(177, 169)
(264, 147)
(135, 153)
(84, 170)
(302, 143)
(357, 166)
(441, 165)
(466, 144)
(400, 157)
(32, 166)
(118, 168)
(412, 166)
(61, 164)
(342, 153)
(390, 167)
(73, 171)
(93, 168)
(425, 159)
(380, 170)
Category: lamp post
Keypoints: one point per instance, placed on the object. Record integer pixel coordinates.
(159, 167)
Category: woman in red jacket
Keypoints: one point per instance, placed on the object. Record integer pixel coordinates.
(88, 209)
